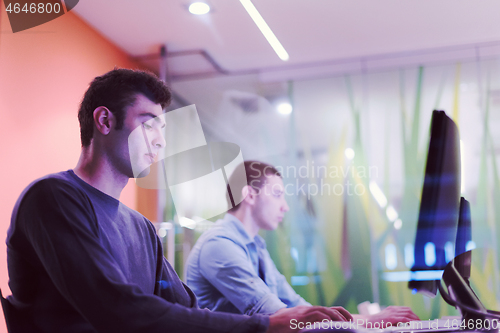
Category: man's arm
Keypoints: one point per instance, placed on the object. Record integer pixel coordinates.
(285, 292)
(62, 230)
(291, 319)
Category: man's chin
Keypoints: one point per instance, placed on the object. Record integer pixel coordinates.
(276, 226)
(271, 227)
(143, 173)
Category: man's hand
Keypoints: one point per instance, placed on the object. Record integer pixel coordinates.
(391, 314)
(282, 321)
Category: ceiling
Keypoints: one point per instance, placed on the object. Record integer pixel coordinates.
(311, 31)
(322, 37)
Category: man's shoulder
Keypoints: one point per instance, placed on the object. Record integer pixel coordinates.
(223, 231)
(46, 194)
(68, 185)
(53, 182)
(222, 238)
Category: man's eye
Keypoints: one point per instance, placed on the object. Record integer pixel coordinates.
(146, 126)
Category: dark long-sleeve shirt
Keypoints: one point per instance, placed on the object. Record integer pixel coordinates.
(81, 261)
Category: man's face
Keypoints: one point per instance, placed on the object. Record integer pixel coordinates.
(270, 205)
(140, 140)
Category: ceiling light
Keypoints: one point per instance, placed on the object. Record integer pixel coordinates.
(349, 153)
(264, 28)
(285, 108)
(199, 8)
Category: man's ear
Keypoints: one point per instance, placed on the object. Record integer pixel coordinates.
(248, 194)
(104, 120)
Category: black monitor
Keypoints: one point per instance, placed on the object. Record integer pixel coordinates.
(464, 238)
(439, 207)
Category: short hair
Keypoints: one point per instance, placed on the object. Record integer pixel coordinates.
(116, 90)
(256, 174)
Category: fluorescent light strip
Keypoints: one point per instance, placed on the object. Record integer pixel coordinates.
(462, 163)
(264, 28)
(378, 194)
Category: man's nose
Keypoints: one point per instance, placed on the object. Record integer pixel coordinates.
(158, 139)
(285, 207)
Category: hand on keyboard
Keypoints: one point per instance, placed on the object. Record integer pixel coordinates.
(285, 320)
(393, 315)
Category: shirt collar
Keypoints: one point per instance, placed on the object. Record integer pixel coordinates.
(238, 225)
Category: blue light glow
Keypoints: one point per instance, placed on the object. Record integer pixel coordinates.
(300, 280)
(295, 255)
(391, 257)
(470, 246)
(430, 254)
(412, 276)
(409, 255)
(449, 251)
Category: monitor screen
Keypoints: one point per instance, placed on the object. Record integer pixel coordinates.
(439, 207)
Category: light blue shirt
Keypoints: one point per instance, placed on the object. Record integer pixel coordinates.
(223, 272)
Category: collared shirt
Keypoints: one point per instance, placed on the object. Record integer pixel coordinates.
(223, 272)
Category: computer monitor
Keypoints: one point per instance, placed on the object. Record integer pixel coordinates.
(439, 206)
(463, 242)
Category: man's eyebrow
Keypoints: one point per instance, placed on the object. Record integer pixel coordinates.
(152, 115)
(149, 114)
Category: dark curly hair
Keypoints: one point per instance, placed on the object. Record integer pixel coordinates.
(116, 90)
